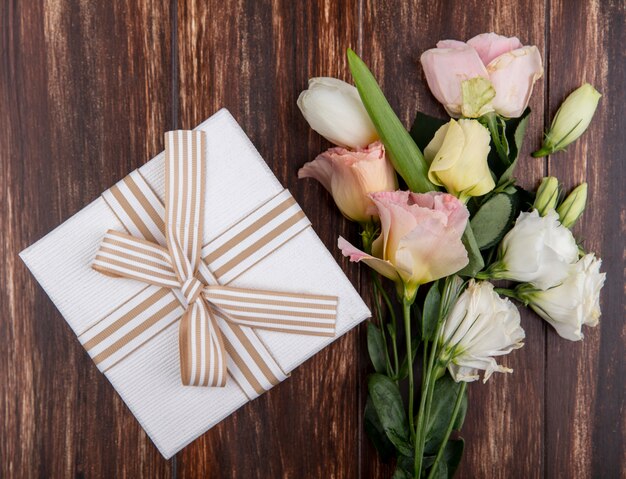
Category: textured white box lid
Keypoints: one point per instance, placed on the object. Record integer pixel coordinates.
(238, 181)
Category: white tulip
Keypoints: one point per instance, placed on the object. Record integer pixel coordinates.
(481, 325)
(574, 302)
(334, 109)
(537, 250)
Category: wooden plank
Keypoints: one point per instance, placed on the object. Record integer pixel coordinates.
(503, 430)
(585, 380)
(254, 58)
(84, 98)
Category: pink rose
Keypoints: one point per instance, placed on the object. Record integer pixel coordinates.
(420, 239)
(511, 68)
(351, 175)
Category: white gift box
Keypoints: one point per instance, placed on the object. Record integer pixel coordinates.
(148, 380)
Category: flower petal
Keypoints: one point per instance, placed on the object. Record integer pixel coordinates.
(356, 255)
(513, 76)
(491, 45)
(446, 68)
(320, 169)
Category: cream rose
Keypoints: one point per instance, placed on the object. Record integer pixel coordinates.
(458, 158)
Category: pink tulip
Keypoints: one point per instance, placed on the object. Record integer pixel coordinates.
(511, 68)
(420, 240)
(351, 175)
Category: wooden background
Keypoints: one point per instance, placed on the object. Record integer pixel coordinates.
(87, 89)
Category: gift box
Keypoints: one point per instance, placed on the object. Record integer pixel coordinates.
(140, 351)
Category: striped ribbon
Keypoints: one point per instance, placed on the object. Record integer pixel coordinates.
(188, 281)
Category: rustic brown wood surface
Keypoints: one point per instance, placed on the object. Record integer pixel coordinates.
(86, 90)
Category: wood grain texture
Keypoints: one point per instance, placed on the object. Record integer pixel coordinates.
(585, 381)
(254, 58)
(86, 90)
(84, 99)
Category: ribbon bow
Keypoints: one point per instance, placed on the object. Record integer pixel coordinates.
(215, 328)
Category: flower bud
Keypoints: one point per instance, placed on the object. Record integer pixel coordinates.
(573, 206)
(547, 195)
(571, 120)
(458, 158)
(334, 109)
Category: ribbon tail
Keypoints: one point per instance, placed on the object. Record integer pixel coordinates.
(203, 359)
(311, 315)
(250, 363)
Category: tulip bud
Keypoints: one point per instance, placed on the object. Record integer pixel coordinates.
(547, 195)
(458, 159)
(334, 109)
(571, 120)
(573, 206)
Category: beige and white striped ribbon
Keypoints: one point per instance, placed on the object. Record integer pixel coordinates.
(190, 282)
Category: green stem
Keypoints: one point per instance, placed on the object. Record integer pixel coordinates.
(381, 325)
(543, 151)
(455, 413)
(492, 124)
(507, 292)
(426, 402)
(431, 371)
(392, 313)
(406, 303)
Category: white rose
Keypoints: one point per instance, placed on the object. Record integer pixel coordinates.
(574, 302)
(537, 250)
(480, 325)
(334, 109)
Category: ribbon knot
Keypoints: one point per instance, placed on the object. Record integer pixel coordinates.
(216, 326)
(192, 289)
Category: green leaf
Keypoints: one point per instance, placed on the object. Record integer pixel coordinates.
(424, 128)
(376, 347)
(430, 316)
(452, 454)
(404, 468)
(376, 433)
(401, 473)
(492, 221)
(444, 398)
(518, 128)
(442, 471)
(476, 262)
(406, 157)
(390, 409)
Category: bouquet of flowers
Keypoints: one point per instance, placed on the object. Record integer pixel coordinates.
(440, 212)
